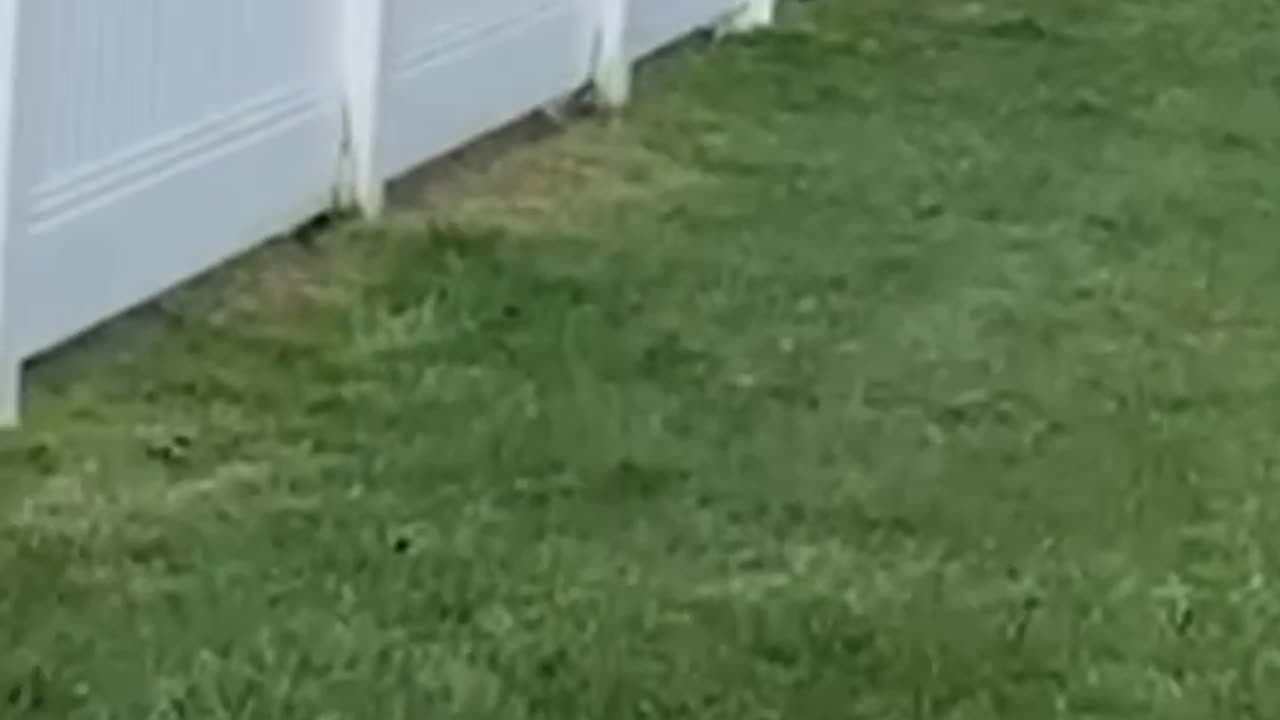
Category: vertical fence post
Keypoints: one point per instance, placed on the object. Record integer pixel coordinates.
(363, 66)
(611, 75)
(10, 362)
(754, 15)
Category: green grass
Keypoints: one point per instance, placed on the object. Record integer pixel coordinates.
(915, 360)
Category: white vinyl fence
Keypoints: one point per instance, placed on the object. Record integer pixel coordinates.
(145, 141)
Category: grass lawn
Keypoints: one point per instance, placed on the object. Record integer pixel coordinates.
(917, 360)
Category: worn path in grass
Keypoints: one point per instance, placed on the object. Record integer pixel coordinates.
(917, 360)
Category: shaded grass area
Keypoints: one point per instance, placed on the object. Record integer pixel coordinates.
(915, 360)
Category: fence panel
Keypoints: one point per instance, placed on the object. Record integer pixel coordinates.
(459, 68)
(151, 140)
(651, 24)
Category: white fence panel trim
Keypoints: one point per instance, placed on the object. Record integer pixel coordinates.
(10, 359)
